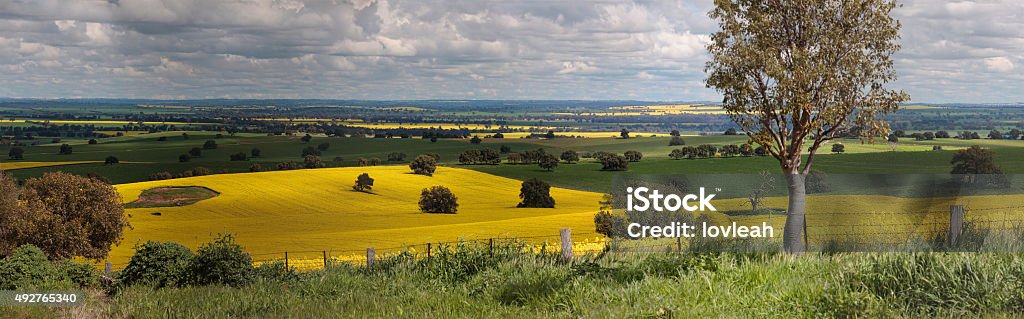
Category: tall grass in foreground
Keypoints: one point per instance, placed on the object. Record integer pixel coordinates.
(465, 280)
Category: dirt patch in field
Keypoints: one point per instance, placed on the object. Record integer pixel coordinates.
(172, 196)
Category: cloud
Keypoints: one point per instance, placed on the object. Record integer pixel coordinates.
(409, 49)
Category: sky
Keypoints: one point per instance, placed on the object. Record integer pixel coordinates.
(953, 52)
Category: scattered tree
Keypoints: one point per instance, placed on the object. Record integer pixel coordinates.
(838, 148)
(323, 147)
(424, 165)
(570, 157)
(363, 183)
(238, 157)
(674, 133)
(396, 157)
(255, 152)
(438, 200)
(16, 153)
(505, 149)
(475, 140)
(548, 162)
(633, 156)
(676, 141)
(309, 150)
(195, 152)
(614, 162)
(312, 161)
(65, 149)
(624, 133)
(535, 193)
(255, 167)
(730, 131)
(93, 141)
(941, 134)
(111, 160)
(210, 145)
(307, 138)
(995, 135)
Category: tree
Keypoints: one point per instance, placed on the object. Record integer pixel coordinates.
(995, 135)
(475, 140)
(838, 148)
(676, 141)
(550, 134)
(535, 193)
(505, 149)
(238, 157)
(797, 72)
(975, 161)
(93, 141)
(307, 138)
(323, 146)
(255, 167)
(363, 183)
(65, 149)
(437, 157)
(210, 145)
(195, 152)
(929, 136)
(570, 157)
(438, 200)
(111, 160)
(746, 149)
(624, 133)
(184, 158)
(65, 215)
(548, 162)
(255, 152)
(423, 165)
(730, 131)
(633, 156)
(16, 153)
(941, 134)
(674, 133)
(1014, 134)
(312, 161)
(756, 196)
(309, 150)
(498, 135)
(614, 162)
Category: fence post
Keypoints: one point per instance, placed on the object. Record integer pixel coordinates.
(325, 259)
(679, 244)
(956, 223)
(286, 260)
(490, 247)
(108, 268)
(428, 250)
(566, 235)
(369, 257)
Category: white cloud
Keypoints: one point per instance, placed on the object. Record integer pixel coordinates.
(999, 64)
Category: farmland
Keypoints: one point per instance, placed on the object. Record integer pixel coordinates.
(317, 210)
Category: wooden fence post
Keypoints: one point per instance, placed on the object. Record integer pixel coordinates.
(369, 257)
(286, 260)
(108, 268)
(679, 244)
(566, 235)
(490, 247)
(325, 259)
(428, 250)
(956, 224)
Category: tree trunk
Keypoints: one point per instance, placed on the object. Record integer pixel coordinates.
(792, 239)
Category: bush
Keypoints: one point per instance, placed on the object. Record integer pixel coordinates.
(423, 165)
(79, 274)
(570, 157)
(65, 149)
(438, 200)
(16, 153)
(312, 161)
(111, 160)
(676, 141)
(159, 176)
(633, 156)
(93, 141)
(184, 158)
(222, 262)
(275, 271)
(323, 146)
(26, 267)
(535, 194)
(158, 264)
(309, 150)
(195, 152)
(238, 157)
(255, 167)
(210, 145)
(396, 157)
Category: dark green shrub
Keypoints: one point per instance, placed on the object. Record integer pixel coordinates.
(82, 275)
(158, 264)
(26, 267)
(222, 262)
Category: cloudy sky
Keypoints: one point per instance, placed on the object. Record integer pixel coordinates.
(366, 49)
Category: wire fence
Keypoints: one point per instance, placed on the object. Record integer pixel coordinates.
(898, 229)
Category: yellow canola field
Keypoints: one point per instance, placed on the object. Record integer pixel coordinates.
(315, 210)
(23, 165)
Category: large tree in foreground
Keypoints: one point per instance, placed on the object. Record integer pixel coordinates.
(797, 73)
